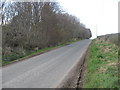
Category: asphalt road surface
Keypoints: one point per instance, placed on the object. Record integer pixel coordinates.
(46, 70)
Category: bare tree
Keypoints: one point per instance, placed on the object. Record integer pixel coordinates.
(32, 25)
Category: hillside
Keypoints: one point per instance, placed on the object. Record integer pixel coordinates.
(103, 63)
(113, 38)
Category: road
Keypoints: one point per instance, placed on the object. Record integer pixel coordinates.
(46, 70)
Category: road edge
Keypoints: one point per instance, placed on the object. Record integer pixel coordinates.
(71, 78)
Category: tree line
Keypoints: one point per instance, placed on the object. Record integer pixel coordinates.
(35, 25)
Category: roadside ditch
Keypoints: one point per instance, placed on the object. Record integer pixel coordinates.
(75, 77)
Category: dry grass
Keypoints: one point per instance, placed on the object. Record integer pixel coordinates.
(102, 69)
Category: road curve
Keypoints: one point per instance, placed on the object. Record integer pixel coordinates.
(46, 70)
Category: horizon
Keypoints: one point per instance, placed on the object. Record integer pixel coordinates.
(96, 16)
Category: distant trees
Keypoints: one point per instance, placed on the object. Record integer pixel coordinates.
(30, 25)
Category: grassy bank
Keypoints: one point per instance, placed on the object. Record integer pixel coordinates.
(102, 69)
(17, 57)
(112, 38)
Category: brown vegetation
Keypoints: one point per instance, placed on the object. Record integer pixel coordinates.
(29, 26)
(113, 38)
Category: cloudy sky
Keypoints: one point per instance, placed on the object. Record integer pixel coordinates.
(101, 16)
(98, 15)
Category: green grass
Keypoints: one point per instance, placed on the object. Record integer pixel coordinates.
(17, 57)
(102, 70)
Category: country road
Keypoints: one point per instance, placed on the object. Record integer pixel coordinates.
(46, 70)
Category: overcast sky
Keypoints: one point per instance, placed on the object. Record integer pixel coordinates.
(98, 15)
(95, 14)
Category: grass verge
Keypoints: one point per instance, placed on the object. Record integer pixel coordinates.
(102, 69)
(17, 57)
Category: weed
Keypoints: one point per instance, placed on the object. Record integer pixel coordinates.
(102, 70)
